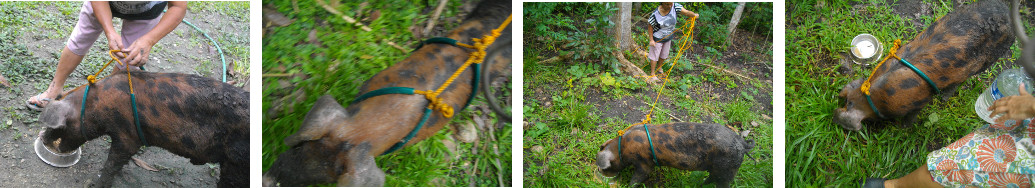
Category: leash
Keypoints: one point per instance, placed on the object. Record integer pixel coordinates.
(647, 117)
(865, 88)
(693, 22)
(434, 102)
(652, 154)
(92, 79)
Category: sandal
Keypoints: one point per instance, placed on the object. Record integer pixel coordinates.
(43, 102)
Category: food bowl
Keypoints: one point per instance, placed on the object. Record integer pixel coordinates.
(54, 158)
(866, 49)
(610, 181)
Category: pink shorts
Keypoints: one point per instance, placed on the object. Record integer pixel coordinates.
(88, 29)
(659, 50)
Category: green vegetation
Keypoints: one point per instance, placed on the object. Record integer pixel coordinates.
(574, 106)
(819, 152)
(322, 54)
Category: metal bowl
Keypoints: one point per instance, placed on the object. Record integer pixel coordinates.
(54, 158)
(866, 49)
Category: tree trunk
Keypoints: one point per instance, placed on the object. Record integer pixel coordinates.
(628, 67)
(623, 26)
(624, 40)
(734, 21)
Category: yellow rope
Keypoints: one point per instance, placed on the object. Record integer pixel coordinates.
(891, 53)
(682, 47)
(129, 77)
(92, 79)
(478, 56)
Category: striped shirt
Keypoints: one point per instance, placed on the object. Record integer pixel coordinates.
(664, 25)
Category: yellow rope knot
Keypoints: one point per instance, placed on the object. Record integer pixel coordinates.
(435, 103)
(891, 53)
(92, 79)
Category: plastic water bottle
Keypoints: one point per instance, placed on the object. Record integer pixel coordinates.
(1004, 85)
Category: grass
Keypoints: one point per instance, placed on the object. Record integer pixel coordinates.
(571, 108)
(819, 152)
(337, 61)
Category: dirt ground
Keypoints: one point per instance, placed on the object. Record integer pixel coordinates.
(183, 51)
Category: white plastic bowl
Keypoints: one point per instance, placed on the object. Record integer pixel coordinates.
(54, 158)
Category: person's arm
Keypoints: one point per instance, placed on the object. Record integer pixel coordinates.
(141, 48)
(685, 12)
(1017, 107)
(650, 34)
(102, 12)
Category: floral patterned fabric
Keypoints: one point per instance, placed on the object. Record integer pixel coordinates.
(994, 155)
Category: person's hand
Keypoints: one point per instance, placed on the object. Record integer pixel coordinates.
(695, 15)
(139, 51)
(652, 43)
(115, 43)
(1014, 107)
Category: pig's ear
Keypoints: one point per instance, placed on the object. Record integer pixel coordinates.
(326, 113)
(55, 114)
(852, 86)
(361, 169)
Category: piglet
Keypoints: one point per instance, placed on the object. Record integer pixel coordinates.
(338, 145)
(961, 44)
(687, 146)
(196, 117)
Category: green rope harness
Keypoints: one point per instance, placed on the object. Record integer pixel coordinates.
(922, 75)
(410, 91)
(873, 107)
(82, 112)
(436, 40)
(136, 115)
(918, 72)
(652, 155)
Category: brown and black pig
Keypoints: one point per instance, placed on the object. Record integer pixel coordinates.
(338, 145)
(960, 44)
(688, 146)
(196, 117)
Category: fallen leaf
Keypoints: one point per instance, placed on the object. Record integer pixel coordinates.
(4, 81)
(276, 18)
(144, 165)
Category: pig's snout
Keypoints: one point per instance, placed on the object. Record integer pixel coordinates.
(269, 181)
(850, 119)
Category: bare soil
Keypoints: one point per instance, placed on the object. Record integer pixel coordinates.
(184, 50)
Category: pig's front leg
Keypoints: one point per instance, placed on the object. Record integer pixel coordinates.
(119, 154)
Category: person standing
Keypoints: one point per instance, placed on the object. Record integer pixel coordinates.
(661, 24)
